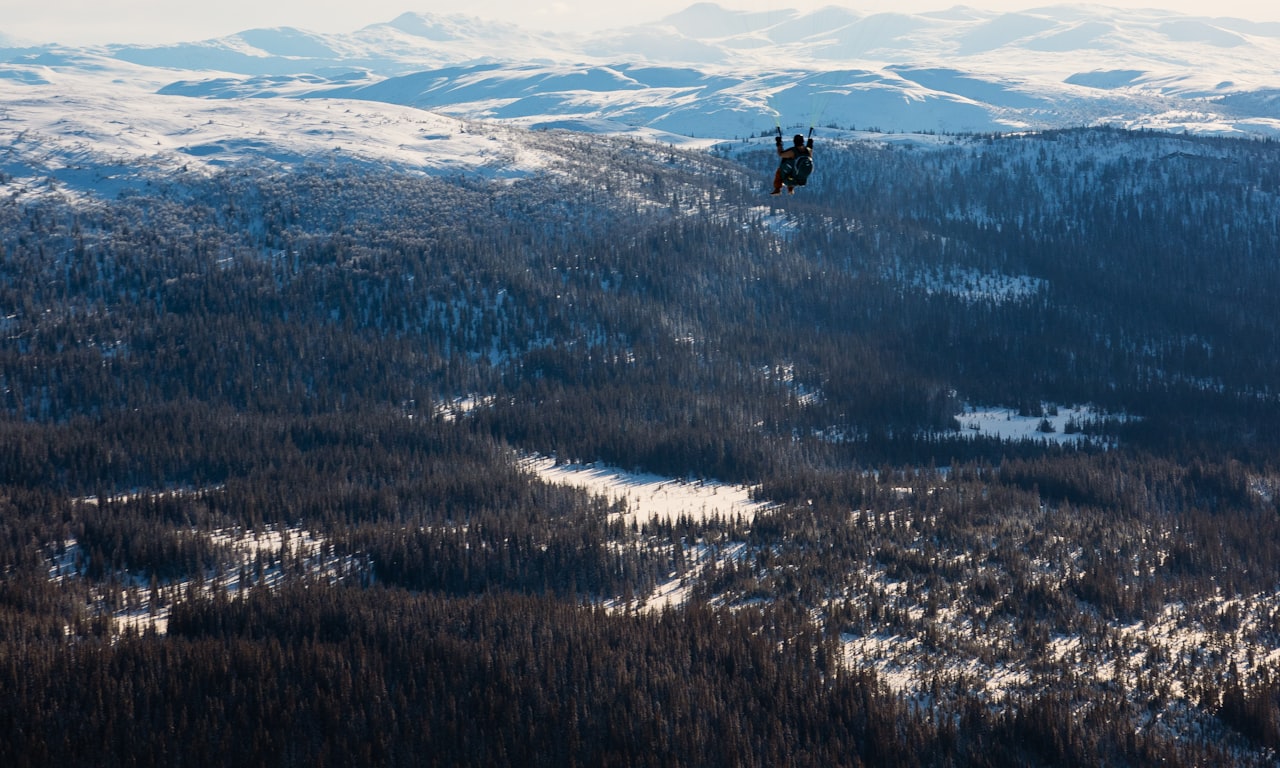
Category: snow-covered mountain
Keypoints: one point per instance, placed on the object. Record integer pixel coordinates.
(705, 74)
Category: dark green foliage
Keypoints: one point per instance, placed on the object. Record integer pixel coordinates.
(260, 353)
(320, 676)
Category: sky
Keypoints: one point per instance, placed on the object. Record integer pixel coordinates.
(92, 22)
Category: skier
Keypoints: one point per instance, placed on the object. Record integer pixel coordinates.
(796, 163)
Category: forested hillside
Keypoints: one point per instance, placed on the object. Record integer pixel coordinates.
(264, 499)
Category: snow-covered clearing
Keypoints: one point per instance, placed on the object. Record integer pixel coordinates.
(653, 497)
(650, 496)
(1061, 425)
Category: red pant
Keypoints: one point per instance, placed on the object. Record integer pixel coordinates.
(777, 181)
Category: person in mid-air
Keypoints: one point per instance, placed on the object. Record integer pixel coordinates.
(793, 172)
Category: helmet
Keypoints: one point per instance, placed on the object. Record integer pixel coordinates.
(798, 139)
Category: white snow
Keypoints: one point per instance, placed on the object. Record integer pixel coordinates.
(89, 134)
(1056, 424)
(653, 497)
(461, 406)
(649, 496)
(407, 93)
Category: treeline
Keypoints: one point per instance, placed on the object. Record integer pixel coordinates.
(1066, 546)
(325, 676)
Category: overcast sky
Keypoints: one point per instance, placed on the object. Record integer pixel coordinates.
(81, 22)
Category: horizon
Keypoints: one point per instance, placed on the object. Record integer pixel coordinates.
(154, 22)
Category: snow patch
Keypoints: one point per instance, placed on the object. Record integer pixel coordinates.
(974, 286)
(252, 560)
(1071, 425)
(649, 496)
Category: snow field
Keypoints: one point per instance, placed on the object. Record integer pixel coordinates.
(650, 496)
(100, 142)
(1060, 425)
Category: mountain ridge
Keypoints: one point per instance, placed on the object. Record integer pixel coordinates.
(703, 75)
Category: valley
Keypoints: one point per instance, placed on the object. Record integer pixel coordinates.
(341, 430)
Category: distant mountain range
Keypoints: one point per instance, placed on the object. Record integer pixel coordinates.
(706, 73)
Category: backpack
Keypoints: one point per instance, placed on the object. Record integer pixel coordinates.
(796, 170)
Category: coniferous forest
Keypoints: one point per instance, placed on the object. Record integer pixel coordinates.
(265, 496)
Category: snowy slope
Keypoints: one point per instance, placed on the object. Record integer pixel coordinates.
(70, 132)
(391, 93)
(85, 122)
